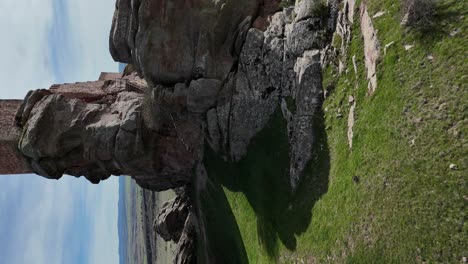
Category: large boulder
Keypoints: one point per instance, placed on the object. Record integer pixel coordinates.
(175, 41)
(171, 220)
(70, 129)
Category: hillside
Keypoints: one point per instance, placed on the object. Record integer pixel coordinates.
(398, 195)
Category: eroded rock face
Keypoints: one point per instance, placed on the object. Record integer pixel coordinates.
(102, 132)
(171, 221)
(177, 41)
(278, 65)
(176, 223)
(216, 73)
(211, 77)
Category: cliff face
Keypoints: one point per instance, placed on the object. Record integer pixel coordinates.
(215, 72)
(177, 41)
(207, 62)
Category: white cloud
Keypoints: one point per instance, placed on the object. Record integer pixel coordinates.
(24, 26)
(38, 215)
(91, 20)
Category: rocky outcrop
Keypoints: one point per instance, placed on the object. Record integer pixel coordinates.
(177, 41)
(171, 220)
(371, 48)
(211, 76)
(284, 62)
(215, 71)
(101, 132)
(176, 223)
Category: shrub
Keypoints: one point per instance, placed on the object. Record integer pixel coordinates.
(419, 13)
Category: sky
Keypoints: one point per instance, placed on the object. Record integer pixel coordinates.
(70, 220)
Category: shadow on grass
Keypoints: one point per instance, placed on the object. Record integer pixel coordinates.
(263, 177)
(224, 243)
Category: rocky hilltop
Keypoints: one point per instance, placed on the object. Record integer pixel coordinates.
(230, 112)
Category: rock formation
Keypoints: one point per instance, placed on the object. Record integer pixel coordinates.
(178, 41)
(176, 223)
(214, 72)
(211, 77)
(96, 129)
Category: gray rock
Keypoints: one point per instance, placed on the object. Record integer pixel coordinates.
(171, 220)
(304, 9)
(202, 95)
(305, 35)
(110, 137)
(172, 42)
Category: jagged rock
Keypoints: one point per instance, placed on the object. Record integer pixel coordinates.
(62, 133)
(175, 223)
(273, 65)
(171, 220)
(305, 35)
(345, 19)
(309, 97)
(203, 78)
(105, 132)
(172, 42)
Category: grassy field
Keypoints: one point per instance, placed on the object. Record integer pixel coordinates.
(392, 198)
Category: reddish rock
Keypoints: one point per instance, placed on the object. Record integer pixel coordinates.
(11, 161)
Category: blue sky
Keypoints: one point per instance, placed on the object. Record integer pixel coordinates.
(44, 221)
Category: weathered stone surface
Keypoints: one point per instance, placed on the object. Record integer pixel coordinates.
(344, 23)
(211, 76)
(309, 97)
(176, 41)
(371, 48)
(202, 95)
(203, 77)
(278, 63)
(171, 220)
(67, 130)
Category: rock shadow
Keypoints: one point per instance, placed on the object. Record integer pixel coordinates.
(219, 239)
(263, 177)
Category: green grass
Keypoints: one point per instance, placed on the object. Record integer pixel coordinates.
(408, 206)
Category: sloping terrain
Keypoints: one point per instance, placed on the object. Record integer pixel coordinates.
(399, 195)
